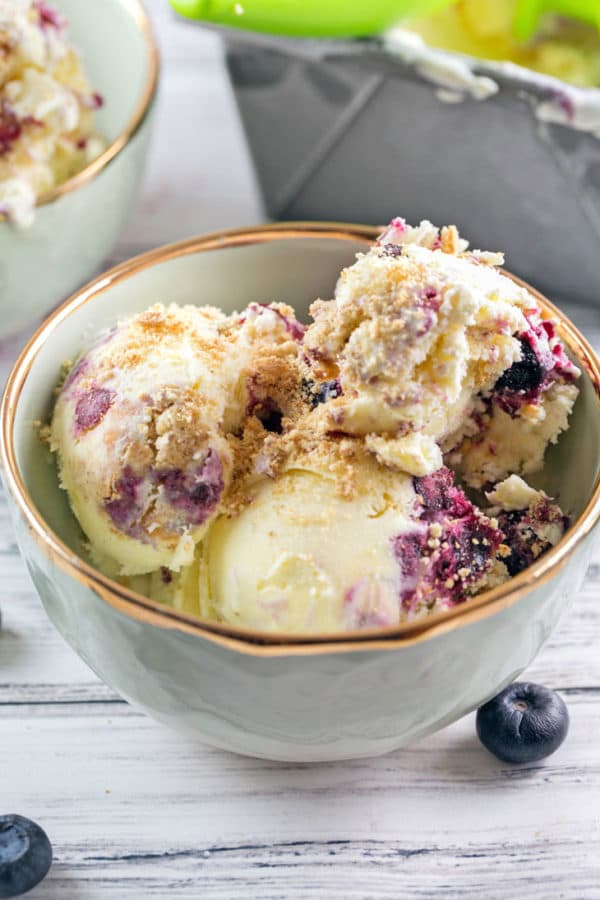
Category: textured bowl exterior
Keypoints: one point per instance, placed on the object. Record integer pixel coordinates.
(302, 708)
(299, 701)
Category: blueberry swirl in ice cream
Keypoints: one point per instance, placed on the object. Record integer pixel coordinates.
(144, 422)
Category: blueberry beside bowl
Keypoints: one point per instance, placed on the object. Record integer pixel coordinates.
(25, 855)
(525, 723)
(277, 696)
(77, 224)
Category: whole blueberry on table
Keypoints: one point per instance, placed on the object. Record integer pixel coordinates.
(524, 723)
(25, 855)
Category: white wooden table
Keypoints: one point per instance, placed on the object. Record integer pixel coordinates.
(135, 811)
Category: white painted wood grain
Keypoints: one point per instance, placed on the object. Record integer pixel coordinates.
(136, 811)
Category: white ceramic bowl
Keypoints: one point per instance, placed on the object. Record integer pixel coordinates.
(264, 695)
(78, 223)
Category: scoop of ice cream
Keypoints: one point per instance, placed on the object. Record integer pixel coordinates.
(142, 427)
(429, 345)
(484, 28)
(46, 107)
(338, 542)
(138, 428)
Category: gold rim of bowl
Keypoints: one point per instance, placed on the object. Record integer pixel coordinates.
(249, 641)
(139, 15)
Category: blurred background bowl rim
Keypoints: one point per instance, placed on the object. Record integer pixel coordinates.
(139, 15)
(252, 641)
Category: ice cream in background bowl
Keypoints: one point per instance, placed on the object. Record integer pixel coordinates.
(47, 107)
(564, 48)
(373, 670)
(77, 82)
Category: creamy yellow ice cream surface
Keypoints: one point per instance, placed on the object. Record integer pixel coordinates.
(323, 562)
(328, 561)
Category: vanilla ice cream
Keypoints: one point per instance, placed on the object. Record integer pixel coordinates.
(386, 548)
(46, 107)
(304, 479)
(437, 351)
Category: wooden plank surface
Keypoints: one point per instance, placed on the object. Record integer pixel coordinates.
(137, 811)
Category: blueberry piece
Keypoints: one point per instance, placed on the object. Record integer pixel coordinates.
(525, 375)
(524, 723)
(25, 855)
(316, 393)
(393, 250)
(328, 390)
(521, 539)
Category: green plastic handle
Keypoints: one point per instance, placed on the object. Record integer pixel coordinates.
(307, 18)
(529, 12)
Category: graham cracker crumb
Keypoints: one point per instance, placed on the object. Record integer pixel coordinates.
(450, 239)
